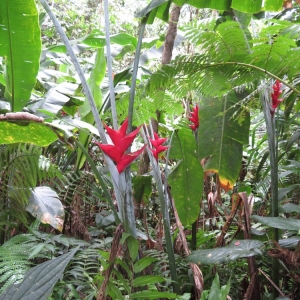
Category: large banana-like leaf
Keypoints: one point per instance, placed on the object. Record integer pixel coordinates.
(26, 132)
(20, 45)
(186, 179)
(223, 130)
(160, 8)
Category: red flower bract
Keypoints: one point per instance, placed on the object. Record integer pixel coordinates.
(275, 95)
(194, 118)
(121, 143)
(157, 145)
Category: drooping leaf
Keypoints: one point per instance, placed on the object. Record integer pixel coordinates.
(283, 191)
(186, 179)
(40, 280)
(56, 98)
(237, 249)
(223, 131)
(45, 205)
(20, 44)
(290, 208)
(278, 222)
(26, 132)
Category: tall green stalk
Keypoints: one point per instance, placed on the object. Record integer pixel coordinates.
(166, 219)
(270, 126)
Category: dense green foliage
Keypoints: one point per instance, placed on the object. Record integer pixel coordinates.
(74, 226)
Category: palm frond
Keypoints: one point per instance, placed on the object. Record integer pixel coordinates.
(225, 59)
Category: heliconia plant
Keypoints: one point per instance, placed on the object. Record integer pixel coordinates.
(275, 96)
(121, 142)
(194, 118)
(157, 145)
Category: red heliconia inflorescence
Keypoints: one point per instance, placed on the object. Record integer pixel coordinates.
(157, 145)
(194, 118)
(121, 143)
(275, 96)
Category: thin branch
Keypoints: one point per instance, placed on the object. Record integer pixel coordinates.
(270, 280)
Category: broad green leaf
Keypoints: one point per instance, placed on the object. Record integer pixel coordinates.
(223, 130)
(283, 191)
(26, 132)
(147, 279)
(152, 295)
(213, 4)
(215, 291)
(20, 45)
(97, 39)
(273, 5)
(186, 179)
(290, 243)
(247, 6)
(132, 244)
(40, 280)
(114, 291)
(237, 249)
(45, 205)
(278, 222)
(56, 98)
(153, 5)
(142, 188)
(290, 208)
(96, 77)
(143, 263)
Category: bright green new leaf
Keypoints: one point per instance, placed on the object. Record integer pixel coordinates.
(20, 45)
(26, 132)
(45, 205)
(98, 40)
(247, 6)
(223, 130)
(186, 179)
(273, 5)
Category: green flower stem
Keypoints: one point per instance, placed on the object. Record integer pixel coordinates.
(270, 126)
(166, 219)
(134, 72)
(109, 67)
